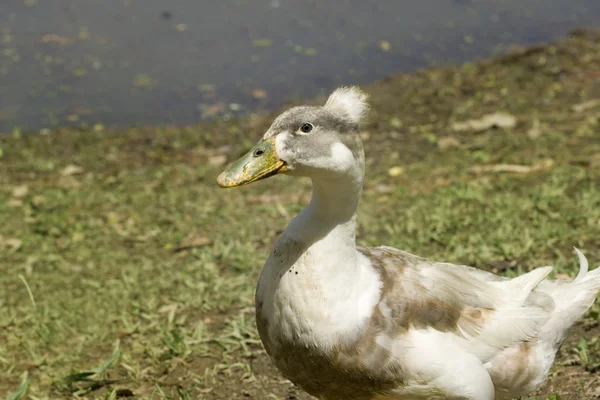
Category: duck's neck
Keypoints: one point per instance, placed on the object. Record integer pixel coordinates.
(328, 223)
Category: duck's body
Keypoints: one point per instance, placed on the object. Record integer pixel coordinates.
(345, 322)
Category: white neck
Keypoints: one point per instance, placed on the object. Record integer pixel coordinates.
(330, 218)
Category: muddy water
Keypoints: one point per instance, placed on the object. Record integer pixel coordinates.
(139, 62)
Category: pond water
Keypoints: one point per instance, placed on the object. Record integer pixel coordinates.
(145, 62)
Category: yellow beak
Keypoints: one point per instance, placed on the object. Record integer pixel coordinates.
(259, 163)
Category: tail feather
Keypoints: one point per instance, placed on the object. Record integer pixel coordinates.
(572, 300)
(583, 266)
(585, 279)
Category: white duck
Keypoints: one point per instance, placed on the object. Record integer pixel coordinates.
(347, 322)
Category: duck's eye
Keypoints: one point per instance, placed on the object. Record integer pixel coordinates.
(305, 128)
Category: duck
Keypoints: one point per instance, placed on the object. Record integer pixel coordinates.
(345, 322)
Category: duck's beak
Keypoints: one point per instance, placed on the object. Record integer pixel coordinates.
(259, 163)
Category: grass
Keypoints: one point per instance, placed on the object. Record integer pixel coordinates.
(127, 272)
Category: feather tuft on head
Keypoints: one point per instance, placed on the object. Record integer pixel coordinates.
(348, 102)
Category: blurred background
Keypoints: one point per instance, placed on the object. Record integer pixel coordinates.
(147, 62)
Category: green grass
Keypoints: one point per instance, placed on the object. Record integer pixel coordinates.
(133, 273)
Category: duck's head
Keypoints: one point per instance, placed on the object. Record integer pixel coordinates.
(321, 141)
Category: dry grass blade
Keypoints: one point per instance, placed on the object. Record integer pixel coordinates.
(22, 390)
(193, 241)
(495, 120)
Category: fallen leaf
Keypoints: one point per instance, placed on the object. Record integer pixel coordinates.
(71, 170)
(381, 188)
(210, 110)
(14, 243)
(447, 142)
(20, 191)
(396, 123)
(581, 107)
(259, 94)
(262, 42)
(395, 171)
(14, 203)
(495, 120)
(142, 80)
(384, 45)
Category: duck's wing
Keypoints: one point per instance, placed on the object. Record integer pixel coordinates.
(486, 313)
